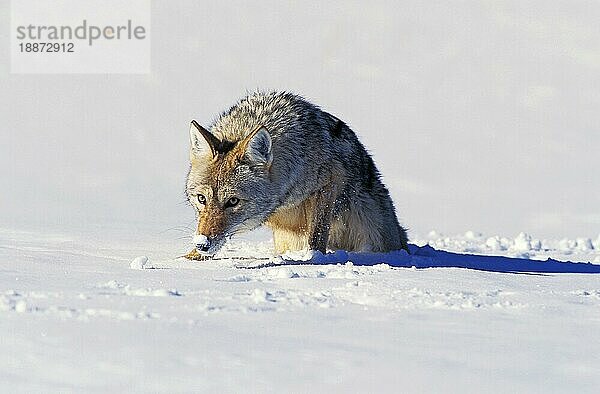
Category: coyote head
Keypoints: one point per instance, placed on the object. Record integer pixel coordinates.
(228, 184)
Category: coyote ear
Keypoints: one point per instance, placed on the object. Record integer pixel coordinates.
(257, 147)
(202, 141)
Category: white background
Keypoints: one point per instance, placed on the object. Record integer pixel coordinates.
(480, 115)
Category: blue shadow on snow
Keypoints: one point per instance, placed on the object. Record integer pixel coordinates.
(428, 257)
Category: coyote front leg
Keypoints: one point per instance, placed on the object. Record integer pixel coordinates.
(321, 220)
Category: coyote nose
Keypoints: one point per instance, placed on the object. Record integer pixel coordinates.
(202, 242)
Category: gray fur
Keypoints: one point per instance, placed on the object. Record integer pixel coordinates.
(302, 164)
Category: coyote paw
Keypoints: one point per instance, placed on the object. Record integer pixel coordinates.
(194, 255)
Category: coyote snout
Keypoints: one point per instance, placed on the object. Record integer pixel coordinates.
(278, 160)
(210, 233)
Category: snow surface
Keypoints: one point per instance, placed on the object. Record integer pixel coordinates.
(200, 240)
(75, 318)
(139, 263)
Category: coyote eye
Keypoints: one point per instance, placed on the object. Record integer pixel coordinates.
(232, 202)
(201, 199)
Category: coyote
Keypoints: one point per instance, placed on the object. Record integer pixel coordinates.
(276, 159)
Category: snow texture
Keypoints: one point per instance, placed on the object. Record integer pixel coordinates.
(449, 317)
(139, 263)
(200, 240)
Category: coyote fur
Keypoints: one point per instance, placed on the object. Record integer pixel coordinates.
(276, 159)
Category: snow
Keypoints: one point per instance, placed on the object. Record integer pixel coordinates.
(139, 263)
(74, 316)
(200, 240)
